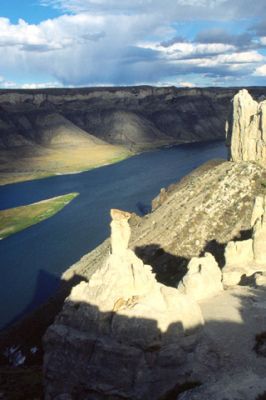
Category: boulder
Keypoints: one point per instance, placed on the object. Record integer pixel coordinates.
(247, 129)
(122, 334)
(203, 278)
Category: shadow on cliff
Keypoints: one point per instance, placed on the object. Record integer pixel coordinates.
(123, 357)
(217, 249)
(27, 328)
(168, 268)
(147, 362)
(108, 355)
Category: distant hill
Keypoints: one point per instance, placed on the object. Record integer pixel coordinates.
(37, 123)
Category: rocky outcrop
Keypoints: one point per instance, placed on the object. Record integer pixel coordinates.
(203, 278)
(247, 132)
(245, 258)
(123, 334)
(260, 278)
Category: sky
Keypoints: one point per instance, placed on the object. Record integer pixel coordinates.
(185, 43)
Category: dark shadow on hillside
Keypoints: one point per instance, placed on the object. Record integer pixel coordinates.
(141, 339)
(126, 358)
(132, 358)
(217, 249)
(28, 327)
(169, 269)
(143, 208)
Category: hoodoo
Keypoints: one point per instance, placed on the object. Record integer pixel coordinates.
(123, 334)
(247, 129)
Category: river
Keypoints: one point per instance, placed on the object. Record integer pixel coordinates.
(33, 260)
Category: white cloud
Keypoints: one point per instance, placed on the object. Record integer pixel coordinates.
(44, 85)
(181, 50)
(186, 84)
(5, 84)
(260, 71)
(168, 9)
(105, 42)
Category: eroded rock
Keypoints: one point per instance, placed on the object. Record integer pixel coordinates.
(247, 133)
(203, 279)
(259, 231)
(123, 333)
(245, 258)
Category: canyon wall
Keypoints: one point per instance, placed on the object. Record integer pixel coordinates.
(138, 117)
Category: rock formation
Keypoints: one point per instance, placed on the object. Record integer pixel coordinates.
(203, 279)
(245, 258)
(247, 131)
(122, 334)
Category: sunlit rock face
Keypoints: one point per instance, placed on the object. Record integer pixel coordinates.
(245, 258)
(203, 279)
(122, 334)
(247, 130)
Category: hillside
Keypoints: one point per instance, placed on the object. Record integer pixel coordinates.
(44, 132)
(137, 117)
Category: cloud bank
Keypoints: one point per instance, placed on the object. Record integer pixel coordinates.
(123, 42)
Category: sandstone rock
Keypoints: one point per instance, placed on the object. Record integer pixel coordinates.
(258, 210)
(203, 279)
(122, 334)
(244, 258)
(260, 278)
(120, 231)
(247, 132)
(239, 252)
(259, 232)
(238, 259)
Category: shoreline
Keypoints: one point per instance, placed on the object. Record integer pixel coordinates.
(53, 174)
(131, 153)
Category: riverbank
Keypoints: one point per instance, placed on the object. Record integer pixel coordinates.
(28, 163)
(16, 219)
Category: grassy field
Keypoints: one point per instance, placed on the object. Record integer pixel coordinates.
(24, 164)
(16, 219)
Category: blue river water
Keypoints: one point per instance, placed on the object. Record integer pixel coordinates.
(32, 260)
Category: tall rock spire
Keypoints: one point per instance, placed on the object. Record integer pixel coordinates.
(247, 129)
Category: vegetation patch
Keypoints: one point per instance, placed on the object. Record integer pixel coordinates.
(16, 219)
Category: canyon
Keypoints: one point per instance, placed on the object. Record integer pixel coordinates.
(59, 131)
(172, 306)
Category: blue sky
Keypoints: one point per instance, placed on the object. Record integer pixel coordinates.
(54, 43)
(30, 10)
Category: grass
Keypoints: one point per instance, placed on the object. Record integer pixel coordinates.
(24, 164)
(16, 219)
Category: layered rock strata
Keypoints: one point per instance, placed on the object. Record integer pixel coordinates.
(122, 335)
(245, 258)
(247, 130)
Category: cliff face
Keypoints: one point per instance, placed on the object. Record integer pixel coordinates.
(247, 130)
(138, 117)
